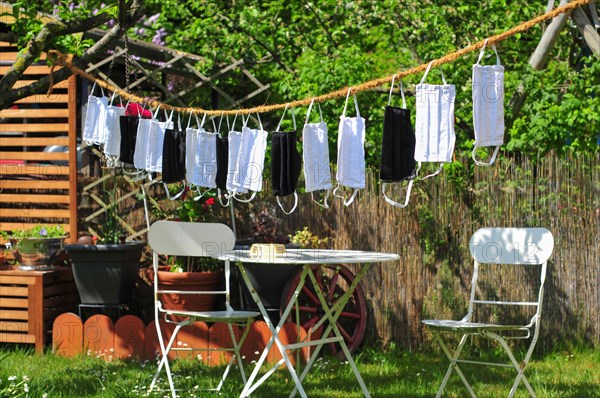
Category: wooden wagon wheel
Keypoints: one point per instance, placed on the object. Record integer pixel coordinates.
(334, 280)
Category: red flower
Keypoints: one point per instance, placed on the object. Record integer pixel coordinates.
(210, 201)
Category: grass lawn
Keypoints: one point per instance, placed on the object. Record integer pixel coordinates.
(391, 374)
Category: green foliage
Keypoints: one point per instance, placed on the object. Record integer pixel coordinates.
(39, 231)
(306, 240)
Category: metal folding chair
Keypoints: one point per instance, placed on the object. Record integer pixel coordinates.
(195, 240)
(498, 248)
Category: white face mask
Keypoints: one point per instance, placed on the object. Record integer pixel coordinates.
(434, 130)
(156, 140)
(351, 152)
(112, 146)
(251, 158)
(141, 144)
(235, 139)
(95, 119)
(315, 151)
(488, 106)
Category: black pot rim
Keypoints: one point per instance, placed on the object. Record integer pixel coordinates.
(102, 247)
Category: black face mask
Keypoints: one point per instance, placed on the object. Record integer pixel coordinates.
(285, 163)
(129, 128)
(173, 160)
(397, 146)
(222, 162)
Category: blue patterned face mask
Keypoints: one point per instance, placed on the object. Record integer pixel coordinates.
(488, 106)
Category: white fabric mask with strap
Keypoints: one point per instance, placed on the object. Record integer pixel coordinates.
(206, 159)
(112, 145)
(141, 142)
(351, 152)
(315, 153)
(191, 145)
(251, 159)
(434, 130)
(156, 140)
(488, 106)
(95, 118)
(235, 139)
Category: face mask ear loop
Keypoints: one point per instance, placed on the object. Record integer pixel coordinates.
(220, 195)
(324, 205)
(293, 208)
(349, 201)
(280, 120)
(356, 106)
(93, 88)
(219, 126)
(233, 124)
(294, 119)
(197, 198)
(481, 52)
(442, 73)
(245, 200)
(312, 101)
(402, 94)
(346, 103)
(155, 115)
(393, 203)
(320, 112)
(391, 90)
(432, 174)
(259, 122)
(201, 125)
(481, 163)
(112, 98)
(426, 72)
(189, 123)
(245, 120)
(177, 195)
(214, 125)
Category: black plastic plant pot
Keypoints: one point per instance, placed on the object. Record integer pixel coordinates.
(106, 274)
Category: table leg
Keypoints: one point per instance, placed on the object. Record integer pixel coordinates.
(332, 314)
(250, 385)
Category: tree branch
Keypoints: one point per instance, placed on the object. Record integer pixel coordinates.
(8, 37)
(41, 86)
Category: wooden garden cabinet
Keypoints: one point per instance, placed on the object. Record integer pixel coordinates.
(31, 300)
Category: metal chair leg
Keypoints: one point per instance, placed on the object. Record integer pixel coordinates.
(453, 364)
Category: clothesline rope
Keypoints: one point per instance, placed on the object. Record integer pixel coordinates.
(66, 60)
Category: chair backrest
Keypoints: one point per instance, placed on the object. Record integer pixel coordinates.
(509, 246)
(190, 239)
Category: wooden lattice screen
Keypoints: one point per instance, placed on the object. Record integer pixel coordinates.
(38, 157)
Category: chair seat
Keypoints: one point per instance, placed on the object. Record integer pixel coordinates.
(216, 316)
(463, 326)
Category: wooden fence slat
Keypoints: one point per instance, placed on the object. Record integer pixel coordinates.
(99, 336)
(23, 83)
(40, 156)
(12, 302)
(9, 226)
(37, 213)
(34, 184)
(32, 70)
(14, 326)
(14, 314)
(34, 113)
(35, 169)
(34, 127)
(45, 99)
(67, 335)
(12, 56)
(34, 141)
(33, 198)
(129, 337)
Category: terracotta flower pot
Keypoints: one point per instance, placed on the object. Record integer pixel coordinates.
(188, 281)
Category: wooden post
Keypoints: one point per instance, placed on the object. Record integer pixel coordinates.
(72, 90)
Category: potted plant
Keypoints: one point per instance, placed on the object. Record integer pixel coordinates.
(191, 273)
(36, 248)
(106, 267)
